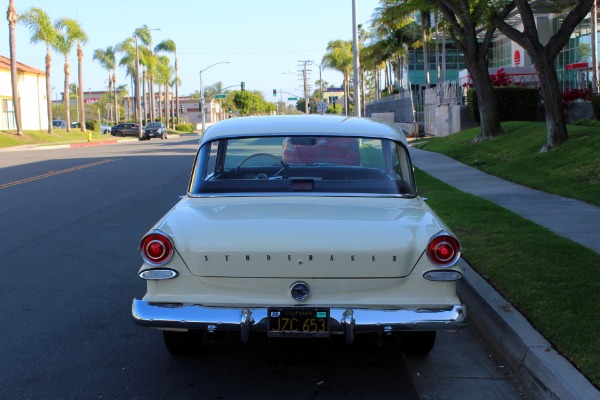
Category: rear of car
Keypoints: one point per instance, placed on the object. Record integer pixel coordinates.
(301, 227)
(155, 130)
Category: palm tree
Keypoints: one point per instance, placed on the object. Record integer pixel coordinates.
(12, 17)
(81, 37)
(68, 30)
(107, 60)
(164, 74)
(148, 60)
(127, 47)
(42, 30)
(169, 46)
(339, 57)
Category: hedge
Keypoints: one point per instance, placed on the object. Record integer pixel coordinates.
(515, 103)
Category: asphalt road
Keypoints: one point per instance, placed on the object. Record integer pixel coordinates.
(70, 223)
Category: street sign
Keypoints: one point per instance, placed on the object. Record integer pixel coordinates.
(292, 98)
(220, 96)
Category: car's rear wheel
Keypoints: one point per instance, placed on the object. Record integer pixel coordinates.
(417, 343)
(183, 343)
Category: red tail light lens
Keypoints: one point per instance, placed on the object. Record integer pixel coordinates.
(156, 248)
(443, 250)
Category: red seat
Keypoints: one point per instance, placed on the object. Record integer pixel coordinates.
(342, 151)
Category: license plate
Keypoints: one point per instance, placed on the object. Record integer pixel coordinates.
(298, 322)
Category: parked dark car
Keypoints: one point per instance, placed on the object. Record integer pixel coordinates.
(127, 129)
(156, 130)
(59, 124)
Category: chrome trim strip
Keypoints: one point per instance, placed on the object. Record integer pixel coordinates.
(158, 274)
(346, 321)
(298, 194)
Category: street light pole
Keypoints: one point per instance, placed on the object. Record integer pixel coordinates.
(138, 100)
(202, 108)
(355, 61)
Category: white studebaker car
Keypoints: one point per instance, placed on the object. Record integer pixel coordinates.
(301, 226)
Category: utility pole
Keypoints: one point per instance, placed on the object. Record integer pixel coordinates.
(305, 70)
(356, 61)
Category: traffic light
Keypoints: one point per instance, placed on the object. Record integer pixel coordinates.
(181, 108)
(230, 110)
(243, 85)
(200, 106)
(274, 92)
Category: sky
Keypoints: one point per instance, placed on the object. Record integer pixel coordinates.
(263, 41)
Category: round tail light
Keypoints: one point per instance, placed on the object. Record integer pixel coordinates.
(443, 250)
(156, 248)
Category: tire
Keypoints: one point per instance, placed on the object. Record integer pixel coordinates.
(183, 343)
(417, 343)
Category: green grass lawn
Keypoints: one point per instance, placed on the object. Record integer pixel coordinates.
(10, 139)
(571, 170)
(551, 280)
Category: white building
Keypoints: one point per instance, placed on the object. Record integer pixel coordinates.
(32, 92)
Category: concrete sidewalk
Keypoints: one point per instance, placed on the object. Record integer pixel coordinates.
(545, 373)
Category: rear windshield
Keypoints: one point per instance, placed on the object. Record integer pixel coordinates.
(303, 164)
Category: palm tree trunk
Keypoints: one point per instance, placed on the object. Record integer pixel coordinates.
(110, 92)
(117, 111)
(80, 79)
(49, 90)
(159, 103)
(173, 101)
(12, 17)
(425, 50)
(67, 95)
(176, 90)
(167, 104)
(145, 99)
(152, 99)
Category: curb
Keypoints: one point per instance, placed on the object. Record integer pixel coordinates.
(88, 144)
(545, 373)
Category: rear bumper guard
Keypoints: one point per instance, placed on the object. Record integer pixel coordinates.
(346, 321)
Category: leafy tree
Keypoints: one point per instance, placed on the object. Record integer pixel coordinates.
(543, 57)
(42, 30)
(249, 102)
(169, 46)
(12, 17)
(465, 19)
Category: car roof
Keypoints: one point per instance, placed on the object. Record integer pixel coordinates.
(293, 125)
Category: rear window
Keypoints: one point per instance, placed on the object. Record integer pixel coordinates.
(303, 164)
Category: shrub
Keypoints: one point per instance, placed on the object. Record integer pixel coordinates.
(92, 125)
(188, 127)
(515, 103)
(586, 122)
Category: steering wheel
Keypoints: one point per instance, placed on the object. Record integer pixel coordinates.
(253, 156)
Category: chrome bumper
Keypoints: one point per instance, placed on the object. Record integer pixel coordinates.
(346, 321)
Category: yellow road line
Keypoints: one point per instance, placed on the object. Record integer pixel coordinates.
(53, 173)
